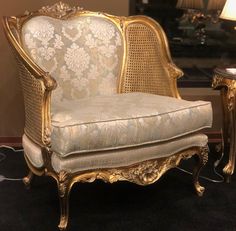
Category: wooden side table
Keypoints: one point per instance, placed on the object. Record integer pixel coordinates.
(224, 79)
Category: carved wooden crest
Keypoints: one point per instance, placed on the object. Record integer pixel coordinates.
(59, 10)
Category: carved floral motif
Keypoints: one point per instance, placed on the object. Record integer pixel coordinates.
(142, 174)
(59, 10)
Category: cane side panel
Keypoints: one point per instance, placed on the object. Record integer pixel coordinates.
(144, 71)
(33, 91)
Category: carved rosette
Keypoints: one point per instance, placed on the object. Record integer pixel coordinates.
(59, 10)
(146, 173)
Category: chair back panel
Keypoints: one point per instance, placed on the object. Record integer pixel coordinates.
(84, 54)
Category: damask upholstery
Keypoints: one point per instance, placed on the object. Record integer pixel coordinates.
(124, 157)
(83, 54)
(101, 100)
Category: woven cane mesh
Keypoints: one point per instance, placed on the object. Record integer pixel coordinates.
(145, 69)
(33, 92)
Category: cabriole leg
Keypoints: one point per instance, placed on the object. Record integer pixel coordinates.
(201, 157)
(64, 191)
(229, 168)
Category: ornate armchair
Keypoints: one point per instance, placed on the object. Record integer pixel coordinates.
(101, 100)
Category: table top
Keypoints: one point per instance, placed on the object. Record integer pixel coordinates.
(226, 72)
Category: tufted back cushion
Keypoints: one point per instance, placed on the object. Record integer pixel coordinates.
(83, 54)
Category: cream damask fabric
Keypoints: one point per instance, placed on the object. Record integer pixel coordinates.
(83, 54)
(112, 158)
(124, 120)
(125, 157)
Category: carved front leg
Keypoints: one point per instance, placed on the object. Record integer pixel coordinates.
(228, 92)
(229, 168)
(202, 157)
(27, 180)
(64, 191)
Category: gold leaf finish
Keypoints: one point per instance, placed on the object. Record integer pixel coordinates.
(62, 181)
(174, 71)
(230, 84)
(143, 174)
(49, 82)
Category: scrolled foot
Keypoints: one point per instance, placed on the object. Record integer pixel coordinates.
(28, 179)
(63, 223)
(199, 189)
(228, 172)
(202, 157)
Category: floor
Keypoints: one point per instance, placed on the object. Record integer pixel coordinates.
(169, 204)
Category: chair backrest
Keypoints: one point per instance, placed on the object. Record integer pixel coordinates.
(84, 53)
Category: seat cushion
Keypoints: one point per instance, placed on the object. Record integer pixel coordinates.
(124, 120)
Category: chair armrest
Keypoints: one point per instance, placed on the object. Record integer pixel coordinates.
(37, 86)
(175, 73)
